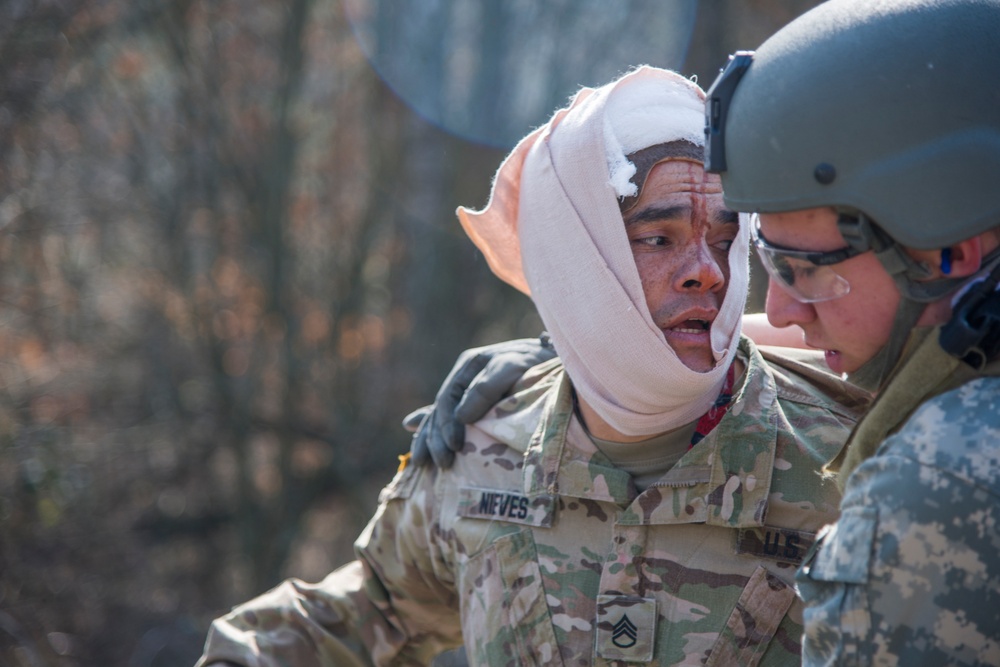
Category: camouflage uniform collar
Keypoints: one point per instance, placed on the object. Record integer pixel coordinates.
(513, 421)
(724, 480)
(743, 448)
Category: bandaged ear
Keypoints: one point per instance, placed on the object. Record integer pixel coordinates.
(494, 229)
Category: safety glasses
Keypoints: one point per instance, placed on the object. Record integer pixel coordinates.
(806, 275)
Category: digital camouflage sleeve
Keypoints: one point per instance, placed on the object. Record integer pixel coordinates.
(910, 574)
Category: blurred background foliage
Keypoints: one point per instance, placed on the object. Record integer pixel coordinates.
(229, 265)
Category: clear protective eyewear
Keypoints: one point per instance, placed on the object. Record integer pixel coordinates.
(806, 275)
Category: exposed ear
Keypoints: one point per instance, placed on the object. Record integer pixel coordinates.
(966, 257)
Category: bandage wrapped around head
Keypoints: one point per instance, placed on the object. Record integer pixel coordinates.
(553, 230)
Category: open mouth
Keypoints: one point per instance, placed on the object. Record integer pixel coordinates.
(692, 326)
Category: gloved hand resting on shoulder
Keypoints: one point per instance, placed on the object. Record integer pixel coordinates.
(477, 382)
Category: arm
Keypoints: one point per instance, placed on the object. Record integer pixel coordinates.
(909, 574)
(760, 331)
(395, 604)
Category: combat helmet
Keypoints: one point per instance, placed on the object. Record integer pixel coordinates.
(888, 111)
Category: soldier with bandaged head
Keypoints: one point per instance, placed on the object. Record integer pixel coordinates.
(644, 497)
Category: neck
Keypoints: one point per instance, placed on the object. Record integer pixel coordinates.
(603, 430)
(599, 428)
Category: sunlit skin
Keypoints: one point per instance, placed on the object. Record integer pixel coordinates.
(853, 328)
(680, 232)
(760, 331)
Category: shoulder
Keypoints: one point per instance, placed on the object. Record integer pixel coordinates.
(802, 376)
(956, 433)
(945, 454)
(541, 393)
(926, 504)
(493, 455)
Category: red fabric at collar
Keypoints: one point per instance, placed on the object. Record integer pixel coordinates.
(711, 419)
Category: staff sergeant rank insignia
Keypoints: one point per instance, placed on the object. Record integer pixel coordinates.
(626, 628)
(624, 633)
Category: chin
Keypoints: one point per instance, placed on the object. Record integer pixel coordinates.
(699, 365)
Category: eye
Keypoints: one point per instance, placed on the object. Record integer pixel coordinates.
(652, 241)
(724, 245)
(786, 272)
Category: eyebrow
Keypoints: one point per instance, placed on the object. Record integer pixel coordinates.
(653, 213)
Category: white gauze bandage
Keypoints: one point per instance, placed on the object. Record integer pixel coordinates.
(553, 229)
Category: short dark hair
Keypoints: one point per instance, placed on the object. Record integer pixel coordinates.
(647, 158)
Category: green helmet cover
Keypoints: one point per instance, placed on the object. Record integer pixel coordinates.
(886, 107)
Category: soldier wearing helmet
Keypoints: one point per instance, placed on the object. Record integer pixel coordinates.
(866, 137)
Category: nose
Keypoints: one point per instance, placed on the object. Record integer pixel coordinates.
(784, 310)
(701, 272)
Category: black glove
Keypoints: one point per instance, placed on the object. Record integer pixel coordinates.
(476, 383)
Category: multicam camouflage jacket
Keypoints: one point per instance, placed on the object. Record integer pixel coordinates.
(910, 574)
(534, 550)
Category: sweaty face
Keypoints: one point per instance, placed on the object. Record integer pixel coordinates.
(680, 232)
(850, 329)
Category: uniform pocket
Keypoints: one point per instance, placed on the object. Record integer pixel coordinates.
(844, 549)
(832, 584)
(505, 615)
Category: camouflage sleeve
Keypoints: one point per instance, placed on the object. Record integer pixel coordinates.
(394, 605)
(910, 574)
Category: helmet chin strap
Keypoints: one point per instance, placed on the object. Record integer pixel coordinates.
(873, 373)
(916, 291)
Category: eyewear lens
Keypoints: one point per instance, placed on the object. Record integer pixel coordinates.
(808, 277)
